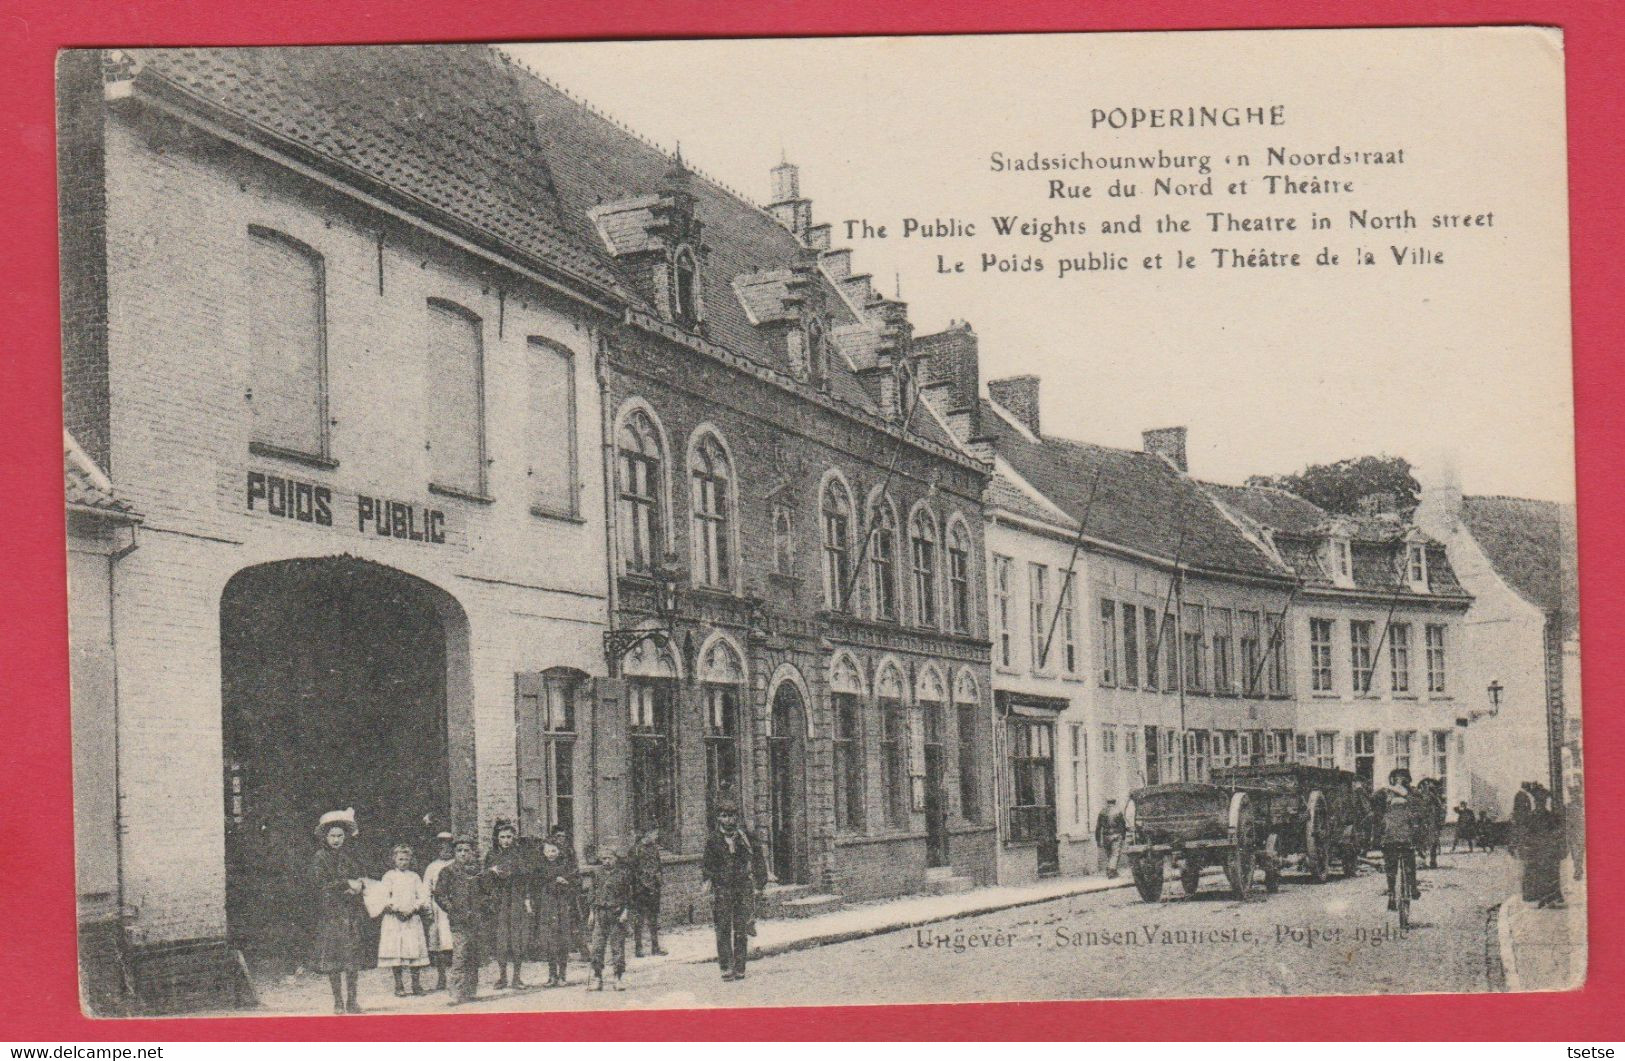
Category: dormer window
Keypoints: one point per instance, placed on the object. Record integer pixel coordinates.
(817, 352)
(685, 289)
(1416, 566)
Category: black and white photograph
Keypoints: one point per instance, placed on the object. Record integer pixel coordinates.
(814, 522)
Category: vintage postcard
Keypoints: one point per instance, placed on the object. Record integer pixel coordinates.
(821, 522)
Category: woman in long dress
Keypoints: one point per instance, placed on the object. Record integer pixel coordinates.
(557, 885)
(336, 879)
(508, 890)
(403, 903)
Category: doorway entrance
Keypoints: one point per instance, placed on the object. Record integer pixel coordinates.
(787, 769)
(936, 799)
(1153, 771)
(343, 684)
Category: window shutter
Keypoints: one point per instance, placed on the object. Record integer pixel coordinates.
(288, 335)
(530, 701)
(614, 759)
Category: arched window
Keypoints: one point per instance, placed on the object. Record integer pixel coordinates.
(883, 559)
(685, 287)
(288, 377)
(836, 510)
(923, 536)
(710, 498)
(959, 591)
(456, 387)
(642, 479)
(722, 676)
(846, 699)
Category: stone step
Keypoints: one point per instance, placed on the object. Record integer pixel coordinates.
(939, 872)
(949, 885)
(809, 905)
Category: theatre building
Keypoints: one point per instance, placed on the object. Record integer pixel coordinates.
(322, 336)
(796, 544)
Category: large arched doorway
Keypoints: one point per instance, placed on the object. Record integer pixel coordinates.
(344, 684)
(787, 784)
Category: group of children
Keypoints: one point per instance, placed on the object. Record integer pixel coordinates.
(516, 904)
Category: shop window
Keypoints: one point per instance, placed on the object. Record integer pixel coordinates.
(1032, 779)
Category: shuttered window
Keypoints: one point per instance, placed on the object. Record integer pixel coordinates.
(456, 400)
(545, 713)
(552, 429)
(288, 344)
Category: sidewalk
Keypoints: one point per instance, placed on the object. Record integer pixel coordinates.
(1545, 950)
(696, 944)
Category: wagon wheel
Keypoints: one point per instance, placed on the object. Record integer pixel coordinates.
(1238, 864)
(1190, 876)
(1272, 864)
(1318, 838)
(1147, 871)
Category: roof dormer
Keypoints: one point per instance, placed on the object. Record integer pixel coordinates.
(1414, 561)
(1337, 553)
(660, 238)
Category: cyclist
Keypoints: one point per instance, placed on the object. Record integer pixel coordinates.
(1401, 807)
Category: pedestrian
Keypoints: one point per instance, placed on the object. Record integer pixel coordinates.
(556, 888)
(1523, 806)
(1400, 831)
(735, 871)
(647, 871)
(438, 929)
(1466, 823)
(1109, 830)
(610, 906)
(1543, 847)
(508, 891)
(460, 891)
(560, 836)
(337, 880)
(403, 903)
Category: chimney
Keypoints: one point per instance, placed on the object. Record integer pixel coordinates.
(1439, 512)
(1167, 443)
(953, 364)
(788, 207)
(1019, 395)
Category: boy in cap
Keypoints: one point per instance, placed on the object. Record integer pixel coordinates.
(647, 871)
(460, 891)
(735, 871)
(611, 902)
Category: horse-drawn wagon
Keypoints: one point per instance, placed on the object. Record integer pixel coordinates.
(1246, 818)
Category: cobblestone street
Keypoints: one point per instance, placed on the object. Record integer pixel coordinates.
(1335, 938)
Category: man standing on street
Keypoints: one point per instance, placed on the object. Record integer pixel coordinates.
(736, 871)
(1109, 830)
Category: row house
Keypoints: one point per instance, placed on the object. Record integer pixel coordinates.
(1137, 634)
(1521, 674)
(1375, 636)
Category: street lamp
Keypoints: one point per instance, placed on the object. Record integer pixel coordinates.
(667, 577)
(1495, 698)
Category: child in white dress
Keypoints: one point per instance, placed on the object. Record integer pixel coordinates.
(403, 903)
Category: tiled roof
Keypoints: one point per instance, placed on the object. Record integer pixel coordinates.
(1532, 546)
(441, 126)
(1141, 502)
(1272, 507)
(467, 132)
(87, 488)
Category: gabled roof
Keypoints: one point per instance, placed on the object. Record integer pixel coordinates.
(87, 487)
(1532, 546)
(1141, 502)
(466, 133)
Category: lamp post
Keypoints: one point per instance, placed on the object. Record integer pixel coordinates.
(667, 577)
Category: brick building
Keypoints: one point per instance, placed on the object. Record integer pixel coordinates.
(821, 658)
(329, 341)
(363, 334)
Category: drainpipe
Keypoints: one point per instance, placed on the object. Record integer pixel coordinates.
(996, 740)
(606, 437)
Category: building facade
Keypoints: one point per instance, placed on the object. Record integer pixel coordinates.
(1375, 636)
(1522, 683)
(362, 433)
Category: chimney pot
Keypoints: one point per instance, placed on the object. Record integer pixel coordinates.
(1167, 443)
(1019, 395)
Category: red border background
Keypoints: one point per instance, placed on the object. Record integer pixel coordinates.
(38, 989)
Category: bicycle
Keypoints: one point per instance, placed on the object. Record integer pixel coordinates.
(1404, 884)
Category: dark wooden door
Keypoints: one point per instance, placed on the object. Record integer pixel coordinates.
(787, 770)
(936, 799)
